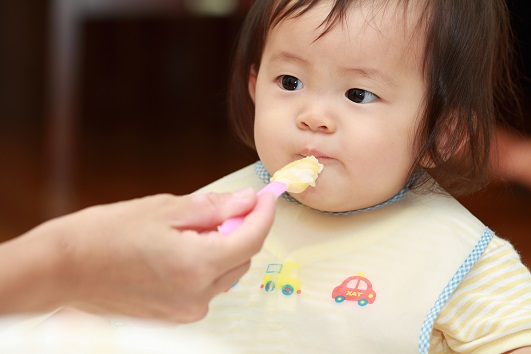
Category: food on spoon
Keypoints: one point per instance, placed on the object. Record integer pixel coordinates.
(299, 174)
(295, 177)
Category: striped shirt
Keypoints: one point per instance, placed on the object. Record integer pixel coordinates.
(498, 286)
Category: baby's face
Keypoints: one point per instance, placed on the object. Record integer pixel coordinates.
(351, 98)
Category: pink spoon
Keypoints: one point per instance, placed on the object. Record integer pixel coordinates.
(295, 176)
(229, 225)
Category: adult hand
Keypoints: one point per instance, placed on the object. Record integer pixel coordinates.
(156, 257)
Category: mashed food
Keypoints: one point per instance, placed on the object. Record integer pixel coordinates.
(299, 174)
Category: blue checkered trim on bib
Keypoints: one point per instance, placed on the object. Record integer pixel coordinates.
(266, 178)
(427, 326)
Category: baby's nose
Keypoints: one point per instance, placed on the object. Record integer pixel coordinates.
(316, 122)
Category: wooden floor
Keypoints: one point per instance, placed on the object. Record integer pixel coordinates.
(125, 173)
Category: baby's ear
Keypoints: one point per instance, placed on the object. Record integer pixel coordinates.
(252, 82)
(449, 142)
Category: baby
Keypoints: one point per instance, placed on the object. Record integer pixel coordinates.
(397, 99)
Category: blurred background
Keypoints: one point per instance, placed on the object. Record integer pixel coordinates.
(104, 100)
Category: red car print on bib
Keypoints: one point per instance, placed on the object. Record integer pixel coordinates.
(356, 288)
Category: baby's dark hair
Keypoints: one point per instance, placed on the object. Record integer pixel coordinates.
(467, 65)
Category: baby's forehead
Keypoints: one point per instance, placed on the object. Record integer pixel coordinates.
(376, 25)
(390, 18)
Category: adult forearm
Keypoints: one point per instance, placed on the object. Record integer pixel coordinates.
(33, 272)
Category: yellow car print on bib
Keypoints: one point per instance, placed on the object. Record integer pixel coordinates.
(283, 276)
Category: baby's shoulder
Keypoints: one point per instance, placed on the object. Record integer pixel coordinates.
(496, 290)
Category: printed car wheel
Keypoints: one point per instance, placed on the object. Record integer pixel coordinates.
(287, 290)
(270, 286)
(340, 298)
(362, 302)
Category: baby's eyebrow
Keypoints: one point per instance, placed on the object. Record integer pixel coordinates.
(289, 57)
(371, 73)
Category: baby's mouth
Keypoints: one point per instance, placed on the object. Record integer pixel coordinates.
(318, 155)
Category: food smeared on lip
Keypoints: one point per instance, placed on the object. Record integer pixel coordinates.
(299, 174)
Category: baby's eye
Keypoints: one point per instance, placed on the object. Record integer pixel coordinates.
(290, 83)
(360, 96)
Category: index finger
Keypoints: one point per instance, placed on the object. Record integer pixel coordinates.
(205, 211)
(247, 240)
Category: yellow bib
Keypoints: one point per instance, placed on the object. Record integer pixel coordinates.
(370, 282)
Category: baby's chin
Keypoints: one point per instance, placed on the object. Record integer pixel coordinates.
(325, 203)
(324, 198)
